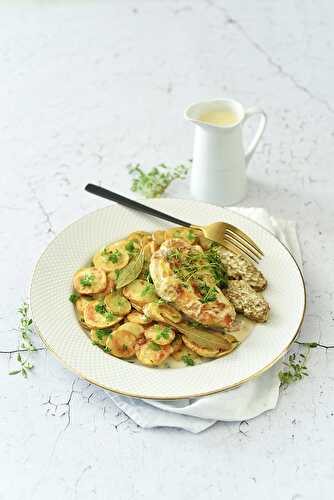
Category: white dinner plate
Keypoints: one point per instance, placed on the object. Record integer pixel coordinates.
(55, 320)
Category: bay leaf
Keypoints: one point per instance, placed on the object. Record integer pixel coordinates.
(131, 271)
(208, 339)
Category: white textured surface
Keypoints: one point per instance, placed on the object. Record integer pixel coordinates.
(70, 77)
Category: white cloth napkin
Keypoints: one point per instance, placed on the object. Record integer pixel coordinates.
(245, 402)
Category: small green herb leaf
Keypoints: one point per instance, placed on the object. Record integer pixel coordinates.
(73, 297)
(188, 360)
(154, 346)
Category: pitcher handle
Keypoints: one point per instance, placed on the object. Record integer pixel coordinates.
(258, 134)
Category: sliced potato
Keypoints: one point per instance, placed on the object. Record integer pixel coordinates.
(160, 333)
(117, 303)
(159, 237)
(80, 306)
(134, 328)
(162, 312)
(111, 285)
(121, 343)
(96, 315)
(151, 354)
(140, 292)
(201, 351)
(183, 233)
(141, 237)
(177, 344)
(138, 317)
(90, 280)
(184, 352)
(137, 307)
(99, 336)
(111, 257)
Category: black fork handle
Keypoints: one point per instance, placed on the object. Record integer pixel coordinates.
(135, 205)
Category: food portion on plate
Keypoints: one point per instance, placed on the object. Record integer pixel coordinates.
(169, 298)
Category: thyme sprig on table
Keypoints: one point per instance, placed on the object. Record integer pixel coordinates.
(154, 182)
(26, 345)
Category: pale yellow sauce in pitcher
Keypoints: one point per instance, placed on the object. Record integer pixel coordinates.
(221, 118)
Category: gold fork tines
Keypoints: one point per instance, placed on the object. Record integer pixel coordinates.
(233, 239)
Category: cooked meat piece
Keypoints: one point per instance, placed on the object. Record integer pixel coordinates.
(181, 275)
(247, 301)
(240, 268)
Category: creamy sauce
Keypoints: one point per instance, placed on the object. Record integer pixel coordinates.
(219, 118)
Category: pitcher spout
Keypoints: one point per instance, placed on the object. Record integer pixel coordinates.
(217, 113)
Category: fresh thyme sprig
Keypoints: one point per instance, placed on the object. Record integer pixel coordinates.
(25, 330)
(154, 182)
(296, 367)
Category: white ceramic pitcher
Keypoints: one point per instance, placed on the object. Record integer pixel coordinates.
(219, 159)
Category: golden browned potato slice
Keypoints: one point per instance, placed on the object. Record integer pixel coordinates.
(158, 237)
(177, 344)
(138, 317)
(162, 312)
(140, 292)
(152, 354)
(201, 351)
(111, 285)
(137, 307)
(121, 343)
(90, 280)
(112, 257)
(141, 237)
(96, 315)
(185, 354)
(160, 334)
(80, 306)
(134, 328)
(117, 303)
(182, 233)
(99, 336)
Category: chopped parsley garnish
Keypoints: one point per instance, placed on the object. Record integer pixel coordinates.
(101, 308)
(109, 316)
(188, 360)
(149, 288)
(73, 297)
(125, 347)
(190, 235)
(130, 247)
(154, 346)
(164, 333)
(106, 349)
(87, 280)
(101, 334)
(117, 273)
(111, 256)
(209, 294)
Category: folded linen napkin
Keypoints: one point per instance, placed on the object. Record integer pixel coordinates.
(245, 402)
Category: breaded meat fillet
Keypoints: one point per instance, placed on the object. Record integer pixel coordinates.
(247, 301)
(240, 268)
(182, 275)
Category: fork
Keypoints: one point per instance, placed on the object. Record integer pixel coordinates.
(227, 235)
